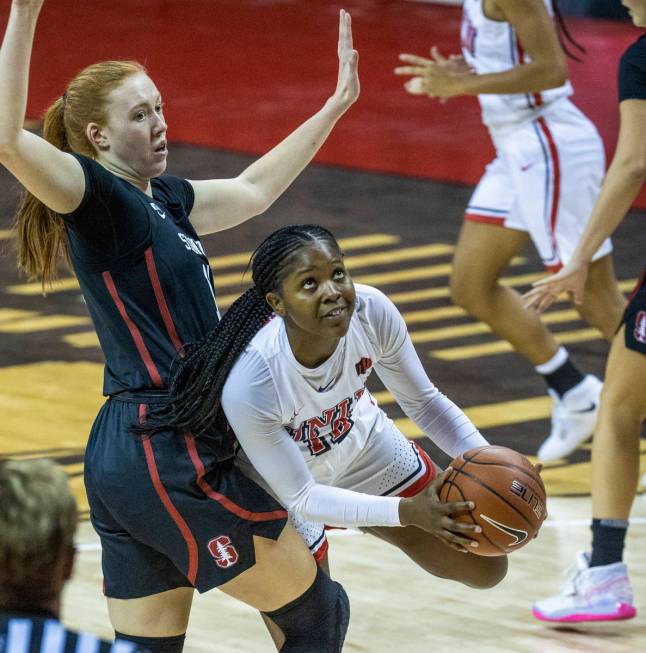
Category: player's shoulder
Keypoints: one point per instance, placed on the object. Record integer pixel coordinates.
(254, 361)
(635, 54)
(369, 293)
(371, 301)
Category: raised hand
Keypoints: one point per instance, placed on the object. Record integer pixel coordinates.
(347, 87)
(437, 77)
(454, 63)
(430, 514)
(571, 278)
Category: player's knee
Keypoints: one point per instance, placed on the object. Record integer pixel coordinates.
(155, 644)
(464, 292)
(489, 574)
(457, 289)
(315, 622)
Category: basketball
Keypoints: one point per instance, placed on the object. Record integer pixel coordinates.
(508, 493)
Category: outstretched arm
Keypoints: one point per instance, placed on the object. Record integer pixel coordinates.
(625, 177)
(54, 177)
(224, 203)
(537, 36)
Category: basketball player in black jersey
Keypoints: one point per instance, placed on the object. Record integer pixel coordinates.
(172, 512)
(38, 519)
(601, 589)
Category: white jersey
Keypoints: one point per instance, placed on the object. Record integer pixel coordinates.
(303, 428)
(491, 46)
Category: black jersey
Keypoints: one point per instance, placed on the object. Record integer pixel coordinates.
(42, 633)
(632, 72)
(143, 273)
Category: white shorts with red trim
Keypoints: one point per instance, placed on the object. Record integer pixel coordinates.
(544, 180)
(389, 465)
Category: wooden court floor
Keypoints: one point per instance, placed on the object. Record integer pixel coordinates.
(397, 608)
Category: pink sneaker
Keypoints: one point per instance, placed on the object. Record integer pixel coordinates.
(590, 594)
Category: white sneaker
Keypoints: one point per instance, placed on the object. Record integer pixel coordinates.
(590, 594)
(573, 418)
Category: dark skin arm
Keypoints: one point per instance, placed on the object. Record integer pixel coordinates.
(438, 77)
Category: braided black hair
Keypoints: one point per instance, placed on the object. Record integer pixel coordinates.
(196, 385)
(564, 35)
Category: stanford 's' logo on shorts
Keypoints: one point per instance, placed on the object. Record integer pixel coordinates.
(223, 552)
(640, 327)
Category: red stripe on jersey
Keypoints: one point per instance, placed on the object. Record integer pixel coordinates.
(538, 99)
(484, 219)
(191, 544)
(161, 302)
(321, 552)
(554, 268)
(134, 332)
(423, 481)
(556, 173)
(225, 502)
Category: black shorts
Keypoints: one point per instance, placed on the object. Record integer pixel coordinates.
(167, 512)
(635, 317)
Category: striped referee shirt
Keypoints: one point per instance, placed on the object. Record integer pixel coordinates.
(42, 633)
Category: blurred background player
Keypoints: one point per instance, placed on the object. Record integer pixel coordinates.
(541, 186)
(38, 520)
(599, 589)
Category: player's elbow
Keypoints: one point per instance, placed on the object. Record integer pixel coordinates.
(256, 198)
(554, 75)
(634, 167)
(8, 147)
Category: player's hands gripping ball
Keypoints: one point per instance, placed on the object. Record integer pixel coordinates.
(508, 493)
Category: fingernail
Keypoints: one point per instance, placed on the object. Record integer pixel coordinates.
(475, 545)
(471, 505)
(478, 529)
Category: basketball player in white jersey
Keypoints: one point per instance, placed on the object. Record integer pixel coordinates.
(541, 186)
(288, 367)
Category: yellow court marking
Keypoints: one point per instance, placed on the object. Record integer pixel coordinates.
(346, 244)
(398, 255)
(5, 234)
(35, 288)
(82, 340)
(48, 408)
(10, 314)
(47, 405)
(43, 323)
(501, 346)
(476, 328)
(431, 314)
(415, 274)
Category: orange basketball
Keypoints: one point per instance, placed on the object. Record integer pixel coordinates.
(508, 493)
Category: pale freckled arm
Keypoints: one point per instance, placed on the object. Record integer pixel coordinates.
(53, 176)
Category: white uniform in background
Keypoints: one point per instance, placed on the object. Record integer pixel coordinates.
(310, 435)
(549, 161)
